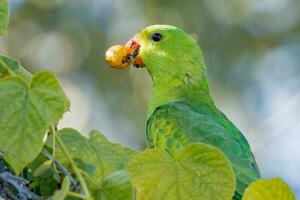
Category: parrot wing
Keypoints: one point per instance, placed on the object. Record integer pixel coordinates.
(177, 124)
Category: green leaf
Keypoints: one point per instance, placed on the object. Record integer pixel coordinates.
(200, 172)
(14, 66)
(117, 186)
(114, 155)
(43, 168)
(96, 156)
(26, 113)
(47, 186)
(62, 193)
(4, 15)
(274, 189)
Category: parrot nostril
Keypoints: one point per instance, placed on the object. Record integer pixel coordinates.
(133, 44)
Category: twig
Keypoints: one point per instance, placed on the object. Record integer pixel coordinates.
(82, 182)
(74, 183)
(76, 171)
(19, 184)
(5, 192)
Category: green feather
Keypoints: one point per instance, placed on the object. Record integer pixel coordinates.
(177, 124)
(181, 109)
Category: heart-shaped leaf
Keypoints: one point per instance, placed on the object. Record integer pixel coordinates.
(4, 15)
(274, 189)
(200, 172)
(26, 113)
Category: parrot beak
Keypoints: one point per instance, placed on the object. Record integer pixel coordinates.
(131, 52)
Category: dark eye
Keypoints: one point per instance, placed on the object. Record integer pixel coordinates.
(156, 37)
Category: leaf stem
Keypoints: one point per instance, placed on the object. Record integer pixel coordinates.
(88, 177)
(53, 141)
(74, 194)
(8, 69)
(52, 129)
(76, 170)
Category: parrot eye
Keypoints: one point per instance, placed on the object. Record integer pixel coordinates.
(156, 37)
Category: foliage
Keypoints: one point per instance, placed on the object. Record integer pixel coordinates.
(200, 172)
(62, 164)
(274, 189)
(4, 9)
(62, 193)
(96, 155)
(27, 112)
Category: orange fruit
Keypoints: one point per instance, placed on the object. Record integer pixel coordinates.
(115, 57)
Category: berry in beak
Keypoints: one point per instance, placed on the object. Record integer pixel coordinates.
(120, 57)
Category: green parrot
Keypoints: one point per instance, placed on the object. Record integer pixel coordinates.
(181, 109)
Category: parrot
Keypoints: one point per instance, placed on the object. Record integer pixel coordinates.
(181, 109)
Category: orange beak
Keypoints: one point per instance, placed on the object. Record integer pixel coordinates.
(119, 56)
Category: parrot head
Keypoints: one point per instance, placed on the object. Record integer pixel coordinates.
(167, 52)
(173, 60)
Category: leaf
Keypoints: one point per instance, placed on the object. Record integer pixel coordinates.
(117, 186)
(4, 16)
(15, 66)
(26, 113)
(39, 178)
(62, 193)
(44, 167)
(114, 155)
(200, 172)
(96, 156)
(47, 186)
(274, 189)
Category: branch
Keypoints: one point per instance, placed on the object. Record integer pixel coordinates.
(59, 142)
(74, 183)
(73, 165)
(8, 179)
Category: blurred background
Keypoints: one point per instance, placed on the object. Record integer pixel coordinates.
(251, 47)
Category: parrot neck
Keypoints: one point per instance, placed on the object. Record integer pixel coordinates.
(189, 88)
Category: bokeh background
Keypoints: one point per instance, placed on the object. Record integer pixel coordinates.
(252, 50)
